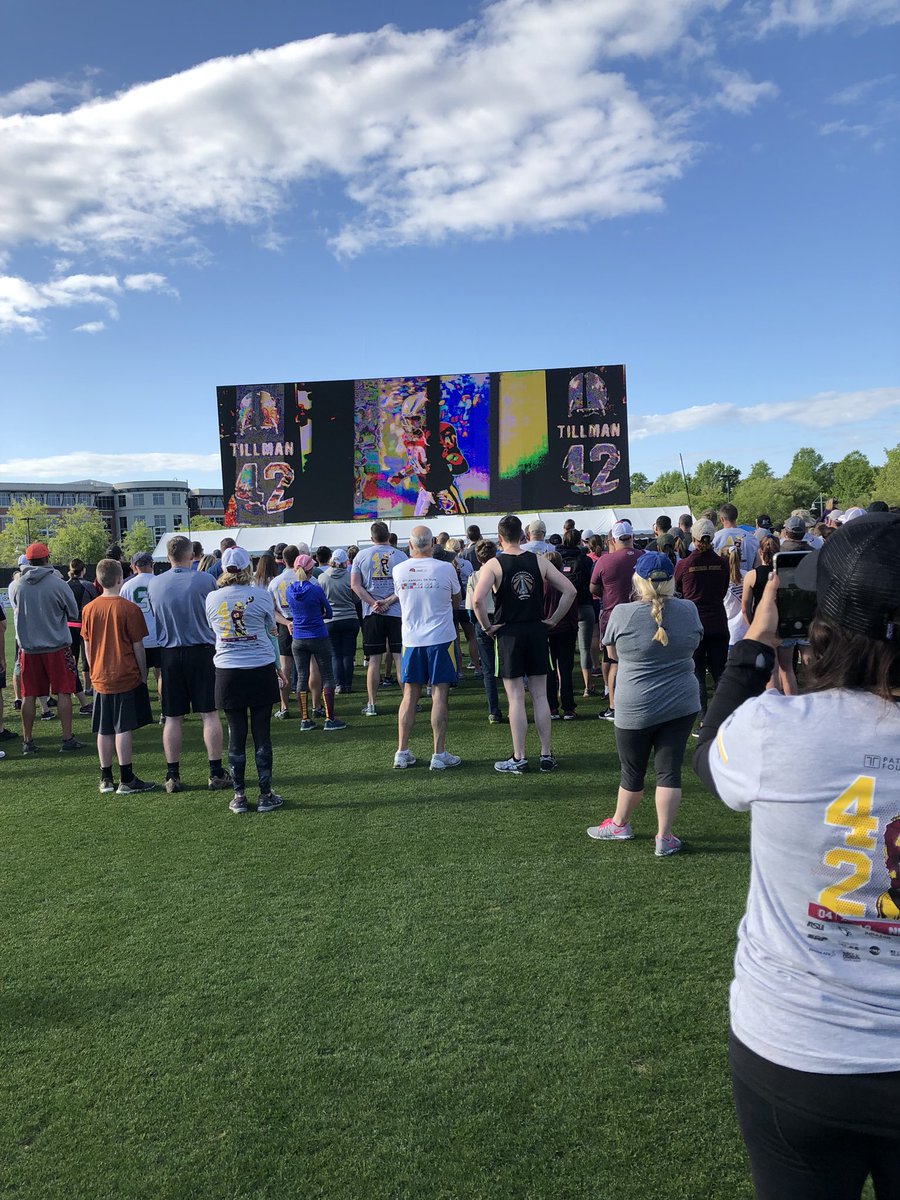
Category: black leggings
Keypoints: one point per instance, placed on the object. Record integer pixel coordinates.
(711, 655)
(562, 663)
(794, 1156)
(260, 724)
(667, 741)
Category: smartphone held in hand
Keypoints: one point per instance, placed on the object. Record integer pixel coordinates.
(796, 606)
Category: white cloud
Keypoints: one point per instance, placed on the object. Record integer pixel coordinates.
(824, 410)
(807, 16)
(111, 468)
(91, 327)
(738, 93)
(861, 91)
(510, 122)
(40, 95)
(24, 305)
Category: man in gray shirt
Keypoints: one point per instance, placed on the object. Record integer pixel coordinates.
(187, 645)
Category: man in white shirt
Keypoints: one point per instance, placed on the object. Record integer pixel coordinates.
(278, 587)
(537, 539)
(427, 590)
(731, 535)
(136, 589)
(370, 579)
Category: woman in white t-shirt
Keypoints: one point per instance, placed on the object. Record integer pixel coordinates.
(242, 616)
(815, 1002)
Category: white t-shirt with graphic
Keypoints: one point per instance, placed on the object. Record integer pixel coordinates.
(135, 589)
(242, 616)
(817, 969)
(374, 565)
(749, 546)
(278, 587)
(426, 588)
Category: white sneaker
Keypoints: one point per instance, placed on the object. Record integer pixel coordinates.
(370, 711)
(404, 759)
(440, 762)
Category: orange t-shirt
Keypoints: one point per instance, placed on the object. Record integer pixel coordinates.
(110, 626)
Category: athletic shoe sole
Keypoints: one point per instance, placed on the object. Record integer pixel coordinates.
(135, 788)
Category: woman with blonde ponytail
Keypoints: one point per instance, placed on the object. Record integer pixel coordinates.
(653, 640)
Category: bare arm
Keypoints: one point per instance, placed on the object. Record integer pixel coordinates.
(567, 591)
(747, 593)
(140, 655)
(487, 577)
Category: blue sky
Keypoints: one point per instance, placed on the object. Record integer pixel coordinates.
(705, 191)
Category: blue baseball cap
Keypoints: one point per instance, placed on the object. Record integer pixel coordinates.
(655, 566)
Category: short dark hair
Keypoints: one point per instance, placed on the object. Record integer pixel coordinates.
(664, 523)
(177, 548)
(727, 512)
(510, 528)
(379, 531)
(442, 538)
(392, 538)
(289, 554)
(115, 552)
(323, 555)
(473, 533)
(685, 520)
(878, 506)
(197, 548)
(226, 543)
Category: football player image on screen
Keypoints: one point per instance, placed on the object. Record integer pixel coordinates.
(888, 903)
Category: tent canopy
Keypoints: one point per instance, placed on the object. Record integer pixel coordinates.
(343, 534)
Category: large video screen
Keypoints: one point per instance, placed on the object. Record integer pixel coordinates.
(421, 445)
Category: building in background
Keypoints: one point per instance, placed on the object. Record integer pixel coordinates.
(163, 505)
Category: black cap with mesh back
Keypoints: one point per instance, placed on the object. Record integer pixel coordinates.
(856, 576)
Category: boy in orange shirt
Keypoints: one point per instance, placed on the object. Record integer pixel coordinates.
(114, 630)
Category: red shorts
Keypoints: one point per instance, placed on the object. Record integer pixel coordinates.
(48, 674)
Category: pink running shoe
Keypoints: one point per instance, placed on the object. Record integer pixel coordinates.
(609, 831)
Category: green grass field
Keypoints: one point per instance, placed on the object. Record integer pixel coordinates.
(403, 984)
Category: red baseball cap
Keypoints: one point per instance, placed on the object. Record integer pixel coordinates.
(37, 550)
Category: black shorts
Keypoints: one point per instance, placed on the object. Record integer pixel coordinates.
(378, 631)
(522, 650)
(285, 637)
(246, 687)
(154, 657)
(2, 680)
(666, 742)
(188, 680)
(122, 712)
(462, 620)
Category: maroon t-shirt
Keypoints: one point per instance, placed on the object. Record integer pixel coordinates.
(703, 578)
(614, 572)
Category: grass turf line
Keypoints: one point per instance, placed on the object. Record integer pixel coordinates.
(403, 984)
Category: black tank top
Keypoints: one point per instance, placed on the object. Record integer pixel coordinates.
(762, 578)
(520, 596)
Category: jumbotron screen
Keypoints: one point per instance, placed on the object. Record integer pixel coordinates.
(418, 446)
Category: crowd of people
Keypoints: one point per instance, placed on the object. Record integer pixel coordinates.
(680, 629)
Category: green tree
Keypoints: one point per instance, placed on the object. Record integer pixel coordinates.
(669, 483)
(854, 476)
(80, 533)
(760, 494)
(639, 482)
(202, 523)
(887, 481)
(760, 470)
(139, 537)
(26, 521)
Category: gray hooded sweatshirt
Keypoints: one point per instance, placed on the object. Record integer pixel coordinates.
(42, 605)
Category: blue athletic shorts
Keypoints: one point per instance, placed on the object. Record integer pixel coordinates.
(429, 664)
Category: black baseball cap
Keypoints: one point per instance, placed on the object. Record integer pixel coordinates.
(856, 576)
